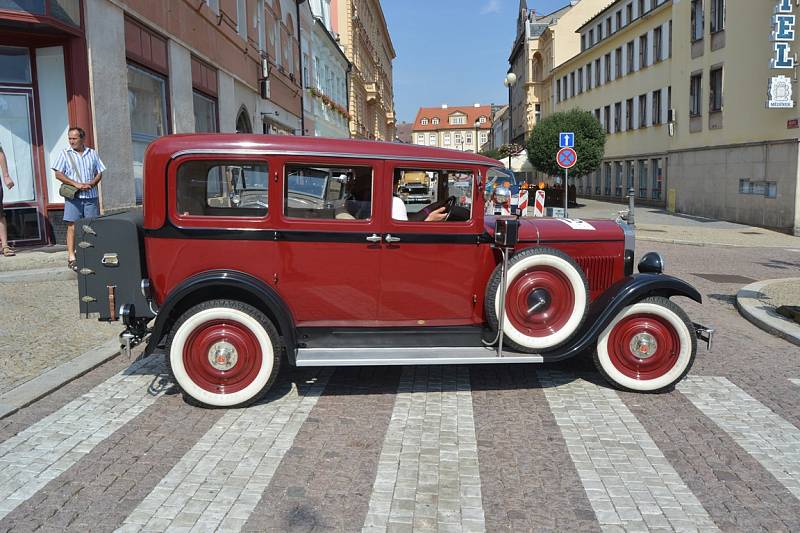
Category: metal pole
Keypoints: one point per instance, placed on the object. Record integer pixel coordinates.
(502, 317)
(566, 195)
(630, 207)
(510, 126)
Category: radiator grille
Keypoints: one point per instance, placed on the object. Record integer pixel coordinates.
(599, 271)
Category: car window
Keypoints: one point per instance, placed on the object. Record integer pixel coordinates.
(222, 188)
(325, 192)
(418, 192)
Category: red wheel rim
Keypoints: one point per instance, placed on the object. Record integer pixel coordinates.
(211, 379)
(663, 359)
(550, 318)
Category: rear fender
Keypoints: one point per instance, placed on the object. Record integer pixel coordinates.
(224, 284)
(625, 292)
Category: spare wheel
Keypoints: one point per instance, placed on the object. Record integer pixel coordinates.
(547, 297)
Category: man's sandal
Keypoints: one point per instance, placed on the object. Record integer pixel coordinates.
(72, 264)
(8, 251)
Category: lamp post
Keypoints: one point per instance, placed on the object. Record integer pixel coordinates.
(509, 82)
(300, 72)
(477, 145)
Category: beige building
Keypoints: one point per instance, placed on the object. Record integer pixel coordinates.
(454, 127)
(365, 38)
(682, 89)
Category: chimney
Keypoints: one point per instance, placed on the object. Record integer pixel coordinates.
(444, 106)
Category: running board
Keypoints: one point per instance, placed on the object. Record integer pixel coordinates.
(408, 356)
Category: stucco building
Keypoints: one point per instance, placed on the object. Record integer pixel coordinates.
(464, 128)
(129, 71)
(365, 38)
(683, 88)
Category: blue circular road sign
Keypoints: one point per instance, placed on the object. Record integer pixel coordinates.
(566, 158)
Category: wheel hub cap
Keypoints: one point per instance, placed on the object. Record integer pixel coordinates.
(643, 345)
(222, 355)
(538, 301)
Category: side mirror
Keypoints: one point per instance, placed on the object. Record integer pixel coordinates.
(506, 232)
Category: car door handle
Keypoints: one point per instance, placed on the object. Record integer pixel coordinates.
(374, 238)
(389, 238)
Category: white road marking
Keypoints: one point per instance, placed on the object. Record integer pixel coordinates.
(628, 481)
(795, 381)
(428, 476)
(41, 452)
(219, 482)
(768, 438)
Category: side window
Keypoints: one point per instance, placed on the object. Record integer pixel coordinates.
(222, 188)
(432, 195)
(324, 192)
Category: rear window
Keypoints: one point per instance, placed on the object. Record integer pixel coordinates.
(222, 188)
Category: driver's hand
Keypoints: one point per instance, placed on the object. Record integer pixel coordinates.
(437, 215)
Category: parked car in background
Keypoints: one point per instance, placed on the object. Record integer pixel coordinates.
(415, 193)
(257, 251)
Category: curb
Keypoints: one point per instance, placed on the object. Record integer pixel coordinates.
(722, 244)
(754, 310)
(55, 378)
(39, 274)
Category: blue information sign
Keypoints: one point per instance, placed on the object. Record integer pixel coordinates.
(566, 139)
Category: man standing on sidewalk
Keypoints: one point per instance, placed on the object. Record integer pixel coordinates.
(80, 167)
(5, 249)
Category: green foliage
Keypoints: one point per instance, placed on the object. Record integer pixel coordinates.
(590, 141)
(494, 153)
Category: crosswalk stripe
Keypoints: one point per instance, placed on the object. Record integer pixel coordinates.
(626, 477)
(428, 476)
(219, 482)
(768, 438)
(795, 381)
(41, 452)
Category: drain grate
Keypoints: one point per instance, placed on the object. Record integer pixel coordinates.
(725, 278)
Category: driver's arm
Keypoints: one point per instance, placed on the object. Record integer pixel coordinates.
(437, 215)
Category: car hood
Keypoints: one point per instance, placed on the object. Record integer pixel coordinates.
(552, 230)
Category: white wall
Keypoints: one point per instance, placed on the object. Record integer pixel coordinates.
(180, 88)
(53, 105)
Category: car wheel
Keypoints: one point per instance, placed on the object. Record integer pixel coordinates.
(648, 347)
(224, 353)
(547, 297)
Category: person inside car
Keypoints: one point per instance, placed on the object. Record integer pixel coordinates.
(399, 211)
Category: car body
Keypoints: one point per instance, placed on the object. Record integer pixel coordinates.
(314, 269)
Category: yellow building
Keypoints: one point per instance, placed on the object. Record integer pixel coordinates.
(365, 38)
(682, 89)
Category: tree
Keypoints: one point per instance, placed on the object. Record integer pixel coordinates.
(590, 141)
(494, 153)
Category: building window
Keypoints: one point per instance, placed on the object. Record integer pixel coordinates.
(641, 8)
(599, 32)
(558, 91)
(607, 116)
(768, 189)
(607, 187)
(214, 5)
(715, 90)
(656, 107)
(591, 37)
(658, 179)
(629, 175)
(629, 68)
(583, 42)
(643, 51)
(588, 76)
(446, 139)
(669, 49)
(564, 87)
(205, 113)
(435, 121)
(597, 115)
(241, 18)
(468, 139)
(608, 26)
(608, 67)
(629, 114)
(695, 87)
(629, 13)
(617, 117)
(643, 111)
(482, 120)
(148, 115)
(717, 15)
(597, 72)
(432, 139)
(537, 113)
(485, 136)
(618, 179)
(657, 47)
(619, 19)
(458, 119)
(424, 122)
(697, 20)
(420, 138)
(580, 80)
(643, 178)
(618, 61)
(572, 83)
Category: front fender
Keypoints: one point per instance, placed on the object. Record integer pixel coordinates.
(625, 292)
(224, 284)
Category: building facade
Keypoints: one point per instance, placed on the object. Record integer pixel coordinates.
(464, 128)
(329, 72)
(365, 38)
(129, 71)
(682, 90)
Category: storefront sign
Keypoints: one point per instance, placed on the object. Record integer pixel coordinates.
(783, 34)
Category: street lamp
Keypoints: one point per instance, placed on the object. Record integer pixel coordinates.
(477, 124)
(509, 82)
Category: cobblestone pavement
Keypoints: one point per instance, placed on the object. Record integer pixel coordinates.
(40, 328)
(496, 448)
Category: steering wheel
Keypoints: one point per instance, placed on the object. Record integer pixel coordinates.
(449, 204)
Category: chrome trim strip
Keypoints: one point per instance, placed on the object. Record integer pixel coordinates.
(408, 356)
(245, 151)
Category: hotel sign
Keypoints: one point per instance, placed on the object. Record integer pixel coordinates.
(783, 34)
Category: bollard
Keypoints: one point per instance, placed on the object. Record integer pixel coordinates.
(631, 220)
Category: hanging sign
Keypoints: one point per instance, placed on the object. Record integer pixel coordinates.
(780, 93)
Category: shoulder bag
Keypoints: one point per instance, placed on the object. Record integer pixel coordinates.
(66, 190)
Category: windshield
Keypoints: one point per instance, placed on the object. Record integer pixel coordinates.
(312, 185)
(496, 175)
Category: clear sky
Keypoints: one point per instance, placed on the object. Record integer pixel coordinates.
(452, 51)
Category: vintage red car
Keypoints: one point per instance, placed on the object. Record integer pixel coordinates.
(256, 251)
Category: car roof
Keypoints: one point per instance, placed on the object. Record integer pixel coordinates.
(232, 143)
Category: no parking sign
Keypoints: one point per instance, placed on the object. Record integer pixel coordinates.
(566, 158)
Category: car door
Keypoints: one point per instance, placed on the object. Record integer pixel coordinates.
(430, 269)
(328, 240)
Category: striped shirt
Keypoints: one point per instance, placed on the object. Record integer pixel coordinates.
(88, 164)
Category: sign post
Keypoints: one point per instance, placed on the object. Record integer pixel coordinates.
(566, 159)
